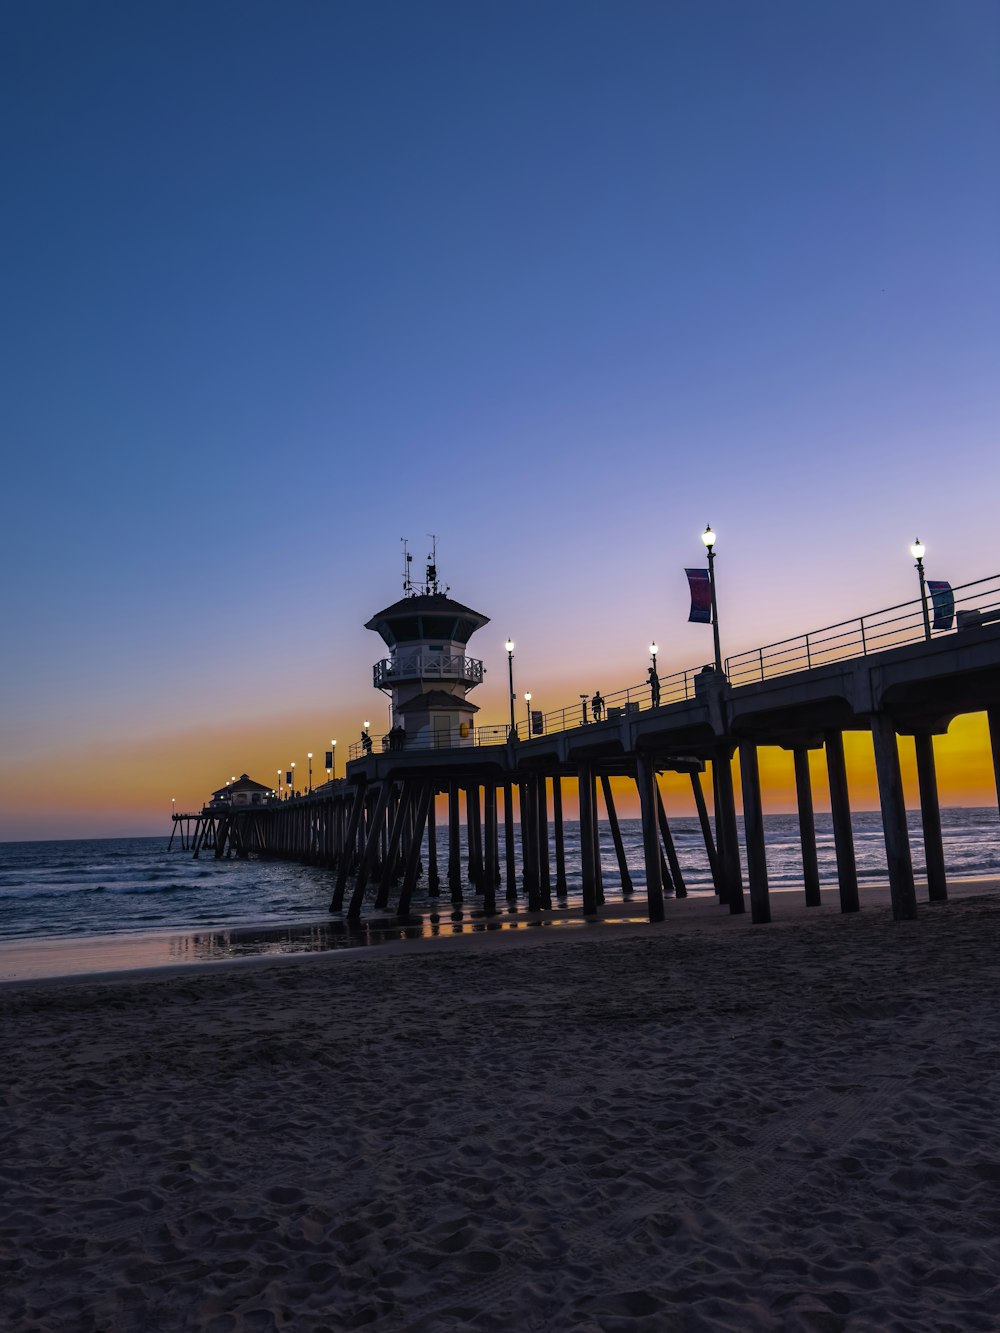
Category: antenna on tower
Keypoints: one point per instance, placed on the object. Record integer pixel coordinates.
(407, 561)
(432, 573)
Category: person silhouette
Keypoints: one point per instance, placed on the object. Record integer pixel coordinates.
(654, 688)
(597, 706)
(366, 742)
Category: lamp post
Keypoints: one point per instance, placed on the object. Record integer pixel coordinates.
(293, 777)
(708, 537)
(583, 705)
(309, 755)
(527, 711)
(509, 645)
(652, 653)
(333, 756)
(279, 784)
(173, 805)
(917, 550)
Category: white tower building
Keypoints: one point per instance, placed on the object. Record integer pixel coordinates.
(427, 673)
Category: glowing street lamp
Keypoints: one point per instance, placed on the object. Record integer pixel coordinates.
(708, 537)
(652, 653)
(310, 758)
(509, 645)
(293, 777)
(173, 805)
(527, 710)
(918, 550)
(333, 756)
(279, 784)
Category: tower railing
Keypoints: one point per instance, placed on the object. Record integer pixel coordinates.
(427, 666)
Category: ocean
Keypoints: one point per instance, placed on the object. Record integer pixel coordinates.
(112, 887)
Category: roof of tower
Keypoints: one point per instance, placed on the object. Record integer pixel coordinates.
(434, 699)
(426, 616)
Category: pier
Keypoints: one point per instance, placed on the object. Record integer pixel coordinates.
(888, 674)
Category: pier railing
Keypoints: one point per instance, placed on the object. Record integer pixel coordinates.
(873, 633)
(632, 699)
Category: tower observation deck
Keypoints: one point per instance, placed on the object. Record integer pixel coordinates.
(428, 672)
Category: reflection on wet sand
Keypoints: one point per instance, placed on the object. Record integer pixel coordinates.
(319, 937)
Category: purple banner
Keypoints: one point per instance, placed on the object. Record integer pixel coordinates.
(943, 601)
(537, 725)
(701, 595)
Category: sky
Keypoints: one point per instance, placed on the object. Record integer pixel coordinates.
(559, 281)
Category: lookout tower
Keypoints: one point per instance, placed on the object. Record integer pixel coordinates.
(427, 674)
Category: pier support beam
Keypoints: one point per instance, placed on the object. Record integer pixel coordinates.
(588, 857)
(376, 830)
(897, 840)
(433, 879)
(454, 847)
(725, 816)
(490, 849)
(930, 817)
(474, 836)
(753, 825)
(616, 835)
(706, 829)
(353, 825)
(423, 804)
(993, 718)
(680, 888)
(510, 850)
(840, 809)
(560, 837)
(807, 825)
(542, 825)
(645, 781)
(400, 816)
(529, 845)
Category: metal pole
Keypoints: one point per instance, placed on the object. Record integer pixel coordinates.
(715, 609)
(923, 597)
(510, 678)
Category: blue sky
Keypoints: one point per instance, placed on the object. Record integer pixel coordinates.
(557, 281)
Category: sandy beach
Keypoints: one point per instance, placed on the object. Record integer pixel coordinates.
(783, 1127)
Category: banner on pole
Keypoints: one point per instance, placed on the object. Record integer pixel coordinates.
(701, 595)
(288, 779)
(329, 759)
(943, 601)
(537, 725)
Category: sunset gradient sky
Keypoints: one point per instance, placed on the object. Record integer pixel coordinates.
(557, 280)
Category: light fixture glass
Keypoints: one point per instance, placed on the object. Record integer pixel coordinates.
(509, 645)
(652, 649)
(708, 536)
(917, 549)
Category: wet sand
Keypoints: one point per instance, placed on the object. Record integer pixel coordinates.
(706, 1125)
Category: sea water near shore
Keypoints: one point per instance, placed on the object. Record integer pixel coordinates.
(100, 887)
